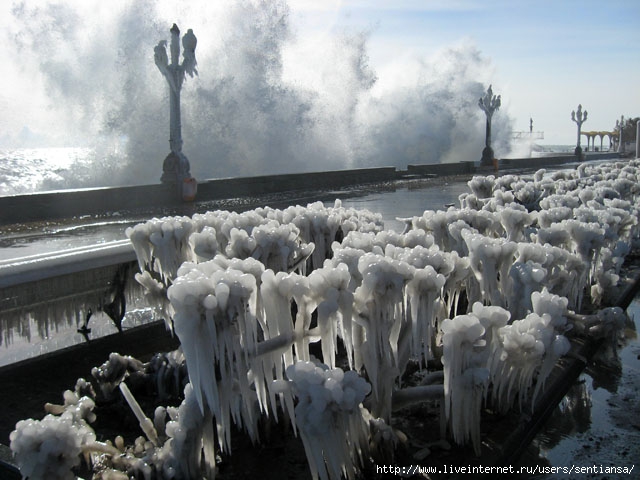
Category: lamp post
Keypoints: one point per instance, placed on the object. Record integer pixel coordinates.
(579, 117)
(530, 136)
(489, 104)
(620, 128)
(175, 168)
(638, 139)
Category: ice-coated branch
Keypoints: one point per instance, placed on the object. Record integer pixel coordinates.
(411, 395)
(146, 424)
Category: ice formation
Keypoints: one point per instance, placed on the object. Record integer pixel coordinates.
(332, 423)
(523, 345)
(190, 437)
(395, 290)
(215, 319)
(378, 304)
(465, 377)
(490, 289)
(491, 260)
(51, 447)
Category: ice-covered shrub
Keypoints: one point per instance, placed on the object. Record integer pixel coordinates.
(50, 448)
(385, 340)
(525, 345)
(162, 245)
(526, 278)
(245, 291)
(465, 377)
(331, 420)
(490, 260)
(482, 186)
(215, 320)
(425, 304)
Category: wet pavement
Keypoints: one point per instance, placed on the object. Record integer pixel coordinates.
(598, 421)
(392, 199)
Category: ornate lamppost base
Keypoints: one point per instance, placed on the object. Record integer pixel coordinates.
(487, 157)
(176, 171)
(175, 168)
(578, 153)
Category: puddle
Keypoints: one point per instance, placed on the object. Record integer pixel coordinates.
(597, 424)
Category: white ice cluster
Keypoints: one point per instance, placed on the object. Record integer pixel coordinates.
(283, 240)
(215, 306)
(332, 423)
(465, 376)
(481, 349)
(51, 447)
(189, 438)
(280, 239)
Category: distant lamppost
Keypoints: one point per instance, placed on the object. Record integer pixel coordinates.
(530, 136)
(620, 128)
(489, 104)
(175, 168)
(579, 117)
(638, 139)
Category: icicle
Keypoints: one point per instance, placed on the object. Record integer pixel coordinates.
(424, 292)
(524, 344)
(465, 377)
(330, 419)
(378, 302)
(145, 422)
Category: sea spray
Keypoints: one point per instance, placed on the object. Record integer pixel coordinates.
(256, 107)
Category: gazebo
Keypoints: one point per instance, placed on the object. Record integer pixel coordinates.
(591, 139)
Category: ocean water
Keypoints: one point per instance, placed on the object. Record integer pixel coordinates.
(29, 170)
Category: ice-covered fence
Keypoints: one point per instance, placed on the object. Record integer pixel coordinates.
(41, 293)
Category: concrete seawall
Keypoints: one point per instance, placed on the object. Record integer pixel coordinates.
(69, 203)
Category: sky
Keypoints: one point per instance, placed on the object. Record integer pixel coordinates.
(547, 56)
(544, 57)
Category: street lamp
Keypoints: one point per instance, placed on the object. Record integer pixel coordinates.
(620, 128)
(579, 118)
(489, 104)
(175, 169)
